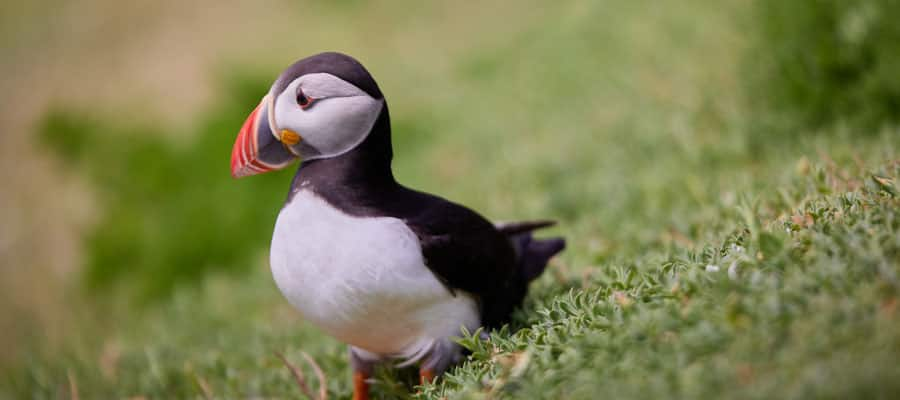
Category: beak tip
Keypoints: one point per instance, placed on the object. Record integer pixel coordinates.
(239, 171)
(235, 167)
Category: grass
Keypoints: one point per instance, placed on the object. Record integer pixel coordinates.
(797, 300)
(706, 259)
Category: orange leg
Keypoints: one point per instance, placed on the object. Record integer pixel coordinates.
(426, 376)
(360, 386)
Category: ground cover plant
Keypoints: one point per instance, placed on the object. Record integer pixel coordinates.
(717, 248)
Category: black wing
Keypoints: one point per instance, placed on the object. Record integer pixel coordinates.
(462, 248)
(466, 252)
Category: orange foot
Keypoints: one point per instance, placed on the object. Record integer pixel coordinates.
(426, 376)
(360, 386)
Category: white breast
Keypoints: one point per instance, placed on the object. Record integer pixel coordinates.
(363, 280)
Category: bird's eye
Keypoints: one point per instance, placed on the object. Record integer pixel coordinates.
(303, 100)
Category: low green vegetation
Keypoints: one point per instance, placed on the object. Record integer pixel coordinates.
(797, 300)
(816, 63)
(720, 245)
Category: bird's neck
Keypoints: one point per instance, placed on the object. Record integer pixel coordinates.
(364, 168)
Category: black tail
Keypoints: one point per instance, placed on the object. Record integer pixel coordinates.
(533, 254)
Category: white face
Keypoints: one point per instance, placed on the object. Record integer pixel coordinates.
(336, 116)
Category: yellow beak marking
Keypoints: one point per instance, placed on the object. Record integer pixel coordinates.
(290, 137)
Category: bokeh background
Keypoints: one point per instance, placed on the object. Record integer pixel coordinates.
(131, 259)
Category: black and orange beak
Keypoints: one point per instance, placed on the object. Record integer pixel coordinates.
(257, 148)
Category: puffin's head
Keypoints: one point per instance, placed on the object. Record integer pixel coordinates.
(320, 107)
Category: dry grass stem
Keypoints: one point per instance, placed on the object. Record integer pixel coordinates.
(298, 375)
(204, 387)
(73, 386)
(323, 383)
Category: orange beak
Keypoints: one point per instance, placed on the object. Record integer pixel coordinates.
(257, 150)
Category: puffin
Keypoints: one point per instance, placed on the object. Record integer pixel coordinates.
(395, 273)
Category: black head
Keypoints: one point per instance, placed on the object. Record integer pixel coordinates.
(320, 107)
(338, 64)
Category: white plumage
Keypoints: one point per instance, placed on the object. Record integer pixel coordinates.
(364, 281)
(338, 121)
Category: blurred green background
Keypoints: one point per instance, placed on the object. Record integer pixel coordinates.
(133, 265)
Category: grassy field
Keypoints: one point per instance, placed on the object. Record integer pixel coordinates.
(716, 248)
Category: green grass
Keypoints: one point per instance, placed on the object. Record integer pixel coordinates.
(803, 305)
(826, 61)
(706, 258)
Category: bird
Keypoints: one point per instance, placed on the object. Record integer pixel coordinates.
(395, 273)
